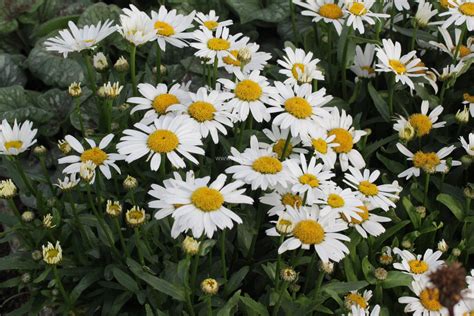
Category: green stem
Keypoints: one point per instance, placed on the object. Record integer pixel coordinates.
(122, 241)
(344, 64)
(280, 298)
(158, 63)
(79, 114)
(133, 53)
(293, 21)
(391, 89)
(76, 217)
(319, 282)
(427, 184)
(90, 73)
(413, 37)
(458, 44)
(378, 292)
(259, 220)
(24, 178)
(14, 209)
(108, 115)
(214, 81)
(163, 167)
(309, 272)
(46, 174)
(285, 147)
(61, 287)
(392, 16)
(223, 262)
(241, 135)
(278, 264)
(442, 92)
(209, 305)
(137, 240)
(189, 303)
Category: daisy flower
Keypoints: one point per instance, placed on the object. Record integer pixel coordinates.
(468, 147)
(295, 63)
(136, 26)
(68, 183)
(279, 199)
(278, 140)
(337, 202)
(170, 27)
(426, 301)
(244, 56)
(259, 167)
(323, 146)
(96, 154)
(418, 266)
(158, 100)
(356, 299)
(364, 61)
(297, 107)
(359, 12)
(369, 224)
(429, 162)
(465, 306)
(212, 45)
(77, 39)
(17, 138)
(377, 196)
(460, 12)
(401, 5)
(469, 100)
(283, 225)
(308, 177)
(424, 13)
(250, 93)
(204, 206)
(356, 310)
(330, 11)
(312, 230)
(207, 110)
(404, 67)
(211, 20)
(340, 125)
(170, 136)
(422, 122)
(449, 47)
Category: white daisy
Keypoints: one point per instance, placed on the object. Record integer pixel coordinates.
(212, 45)
(337, 202)
(77, 39)
(429, 162)
(244, 56)
(207, 110)
(422, 122)
(203, 206)
(297, 107)
(468, 147)
(68, 183)
(391, 60)
(308, 177)
(278, 140)
(295, 63)
(460, 12)
(464, 307)
(312, 230)
(136, 26)
(449, 47)
(330, 11)
(375, 195)
(369, 224)
(322, 145)
(259, 167)
(279, 199)
(211, 20)
(170, 27)
(96, 154)
(424, 13)
(356, 299)
(401, 5)
(340, 125)
(17, 138)
(449, 71)
(250, 93)
(158, 100)
(426, 302)
(469, 100)
(418, 266)
(170, 136)
(364, 61)
(356, 310)
(359, 12)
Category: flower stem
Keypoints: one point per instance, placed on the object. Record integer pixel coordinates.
(278, 264)
(391, 90)
(133, 53)
(344, 64)
(122, 241)
(223, 262)
(319, 282)
(413, 37)
(280, 297)
(458, 44)
(209, 305)
(79, 114)
(442, 92)
(137, 240)
(214, 79)
(14, 209)
(427, 184)
(61, 287)
(285, 147)
(188, 289)
(90, 73)
(76, 217)
(24, 177)
(158, 63)
(309, 272)
(46, 175)
(293, 21)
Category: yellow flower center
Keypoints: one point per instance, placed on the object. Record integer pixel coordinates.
(202, 111)
(464, 51)
(445, 4)
(368, 188)
(13, 144)
(358, 8)
(96, 155)
(356, 299)
(469, 98)
(278, 148)
(330, 11)
(291, 200)
(135, 215)
(369, 69)
(267, 165)
(297, 67)
(343, 138)
(426, 161)
(162, 141)
(89, 41)
(51, 254)
(320, 145)
(207, 199)
(163, 101)
(298, 107)
(397, 66)
(363, 213)
(232, 59)
(309, 232)
(418, 266)
(421, 123)
(248, 90)
(211, 24)
(309, 179)
(470, 313)
(163, 28)
(467, 8)
(335, 200)
(429, 298)
(218, 44)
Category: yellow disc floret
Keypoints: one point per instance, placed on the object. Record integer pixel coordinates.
(291, 200)
(207, 199)
(330, 11)
(309, 179)
(218, 44)
(335, 200)
(356, 299)
(96, 155)
(429, 298)
(309, 232)
(397, 66)
(163, 101)
(467, 8)
(298, 107)
(248, 90)
(278, 148)
(163, 28)
(418, 266)
(426, 161)
(358, 8)
(367, 188)
(343, 138)
(211, 25)
(162, 141)
(320, 145)
(202, 111)
(13, 144)
(267, 165)
(421, 123)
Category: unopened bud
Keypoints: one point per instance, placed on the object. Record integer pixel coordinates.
(75, 89)
(462, 117)
(456, 252)
(64, 146)
(407, 244)
(26, 277)
(27, 216)
(130, 183)
(327, 267)
(210, 286)
(443, 246)
(421, 210)
(407, 132)
(100, 62)
(190, 245)
(37, 255)
(121, 65)
(380, 274)
(40, 150)
(288, 275)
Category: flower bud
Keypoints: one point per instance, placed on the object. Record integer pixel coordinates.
(64, 146)
(462, 117)
(327, 267)
(244, 56)
(456, 252)
(407, 132)
(112, 91)
(100, 62)
(288, 275)
(469, 192)
(25, 277)
(386, 257)
(407, 244)
(210, 286)
(40, 150)
(7, 189)
(135, 216)
(284, 226)
(466, 160)
(113, 208)
(36, 255)
(121, 65)
(421, 210)
(190, 246)
(52, 254)
(443, 246)
(380, 274)
(130, 183)
(294, 287)
(75, 89)
(48, 221)
(87, 171)
(27, 216)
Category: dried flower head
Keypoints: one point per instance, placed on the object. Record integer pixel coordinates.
(380, 274)
(288, 275)
(450, 279)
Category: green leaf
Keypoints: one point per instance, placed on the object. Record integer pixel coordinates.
(391, 165)
(8, 23)
(253, 305)
(52, 25)
(15, 103)
(13, 282)
(119, 301)
(18, 261)
(389, 233)
(396, 279)
(229, 305)
(372, 147)
(99, 12)
(85, 282)
(368, 270)
(453, 204)
(235, 280)
(249, 10)
(344, 287)
(379, 102)
(411, 211)
(125, 280)
(12, 70)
